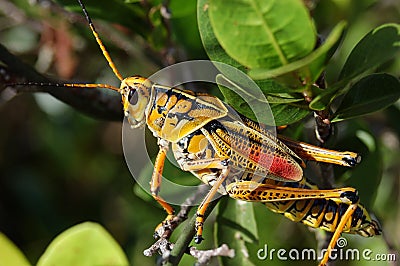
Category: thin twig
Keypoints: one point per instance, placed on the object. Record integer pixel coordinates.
(161, 246)
(90, 101)
(166, 230)
(204, 256)
(323, 131)
(172, 253)
(164, 246)
(186, 237)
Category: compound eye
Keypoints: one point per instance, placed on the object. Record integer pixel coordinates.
(133, 97)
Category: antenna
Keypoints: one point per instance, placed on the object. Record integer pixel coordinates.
(70, 85)
(100, 43)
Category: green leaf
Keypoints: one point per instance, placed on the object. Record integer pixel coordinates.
(283, 114)
(10, 254)
(235, 226)
(274, 92)
(370, 94)
(309, 67)
(84, 244)
(245, 98)
(262, 34)
(321, 101)
(252, 103)
(213, 49)
(279, 98)
(376, 48)
(272, 86)
(286, 114)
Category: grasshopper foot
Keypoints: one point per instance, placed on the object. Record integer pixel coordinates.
(198, 239)
(165, 228)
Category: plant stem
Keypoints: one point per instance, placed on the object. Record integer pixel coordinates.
(90, 101)
(182, 243)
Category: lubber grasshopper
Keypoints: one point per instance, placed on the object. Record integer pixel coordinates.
(236, 156)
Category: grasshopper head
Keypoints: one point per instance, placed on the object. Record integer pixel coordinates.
(135, 93)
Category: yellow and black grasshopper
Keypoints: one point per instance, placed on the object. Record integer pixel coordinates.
(236, 156)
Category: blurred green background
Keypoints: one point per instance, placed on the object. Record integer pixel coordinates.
(59, 167)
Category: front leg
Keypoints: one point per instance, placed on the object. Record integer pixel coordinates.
(215, 164)
(155, 185)
(209, 197)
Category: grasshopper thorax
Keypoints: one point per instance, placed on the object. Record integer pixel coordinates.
(136, 93)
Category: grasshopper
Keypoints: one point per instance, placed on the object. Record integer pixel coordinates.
(235, 156)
